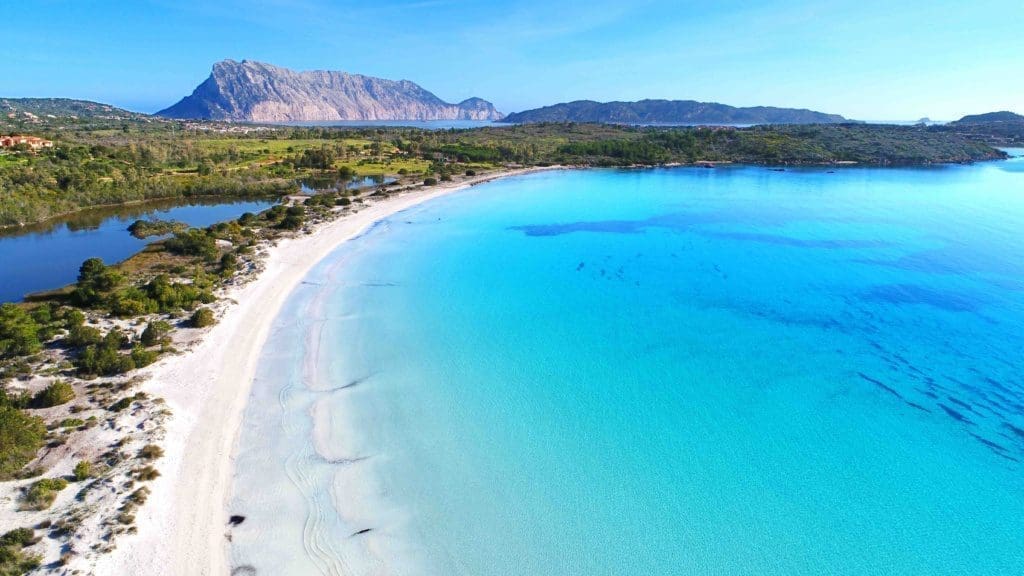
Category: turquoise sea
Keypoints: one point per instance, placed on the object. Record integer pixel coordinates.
(727, 371)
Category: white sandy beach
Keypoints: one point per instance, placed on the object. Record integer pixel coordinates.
(182, 528)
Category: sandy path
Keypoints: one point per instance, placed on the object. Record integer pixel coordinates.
(182, 527)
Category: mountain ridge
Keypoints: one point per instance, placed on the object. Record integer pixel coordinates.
(250, 91)
(669, 112)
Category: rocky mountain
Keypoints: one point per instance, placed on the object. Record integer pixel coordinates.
(256, 92)
(670, 112)
(1003, 116)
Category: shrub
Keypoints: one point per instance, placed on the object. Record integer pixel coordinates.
(343, 201)
(155, 332)
(202, 318)
(21, 436)
(192, 242)
(71, 423)
(41, 493)
(13, 561)
(142, 357)
(430, 181)
(146, 473)
(247, 219)
(19, 537)
(81, 335)
(228, 264)
(151, 452)
(55, 394)
(83, 470)
(94, 280)
(470, 172)
(121, 404)
(105, 358)
(294, 218)
(19, 332)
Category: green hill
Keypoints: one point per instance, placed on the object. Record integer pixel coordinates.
(42, 108)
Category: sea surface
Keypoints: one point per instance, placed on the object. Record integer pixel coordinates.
(48, 255)
(726, 371)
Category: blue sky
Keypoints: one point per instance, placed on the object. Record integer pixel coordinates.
(865, 59)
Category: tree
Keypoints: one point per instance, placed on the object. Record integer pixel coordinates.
(94, 280)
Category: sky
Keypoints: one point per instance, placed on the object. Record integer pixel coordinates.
(864, 59)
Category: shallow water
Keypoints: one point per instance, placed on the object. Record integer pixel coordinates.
(684, 371)
(47, 256)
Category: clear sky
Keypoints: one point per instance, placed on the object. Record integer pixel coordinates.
(865, 59)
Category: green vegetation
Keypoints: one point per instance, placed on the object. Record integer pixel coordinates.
(147, 228)
(202, 318)
(40, 494)
(82, 471)
(155, 333)
(55, 394)
(21, 435)
(13, 560)
(96, 162)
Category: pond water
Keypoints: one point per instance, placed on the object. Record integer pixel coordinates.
(47, 255)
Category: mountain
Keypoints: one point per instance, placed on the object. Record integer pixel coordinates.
(256, 92)
(669, 112)
(1003, 116)
(62, 108)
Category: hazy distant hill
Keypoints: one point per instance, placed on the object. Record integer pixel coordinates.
(62, 108)
(669, 112)
(1003, 116)
(256, 92)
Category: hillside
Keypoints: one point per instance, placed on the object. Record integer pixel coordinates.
(249, 91)
(27, 108)
(990, 117)
(669, 112)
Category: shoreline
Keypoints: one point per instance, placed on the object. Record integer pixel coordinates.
(182, 529)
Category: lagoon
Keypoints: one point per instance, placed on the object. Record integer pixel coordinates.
(668, 371)
(47, 255)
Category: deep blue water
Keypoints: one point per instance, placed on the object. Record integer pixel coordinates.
(48, 255)
(676, 371)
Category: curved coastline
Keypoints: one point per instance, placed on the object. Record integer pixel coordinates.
(182, 530)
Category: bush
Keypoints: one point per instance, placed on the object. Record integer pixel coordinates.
(21, 436)
(202, 318)
(105, 358)
(13, 561)
(470, 172)
(430, 181)
(142, 357)
(294, 218)
(155, 332)
(55, 394)
(151, 452)
(19, 332)
(19, 537)
(121, 404)
(81, 335)
(343, 201)
(41, 493)
(192, 242)
(228, 264)
(95, 279)
(83, 470)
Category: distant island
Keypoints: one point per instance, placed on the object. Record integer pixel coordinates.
(989, 117)
(250, 91)
(669, 112)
